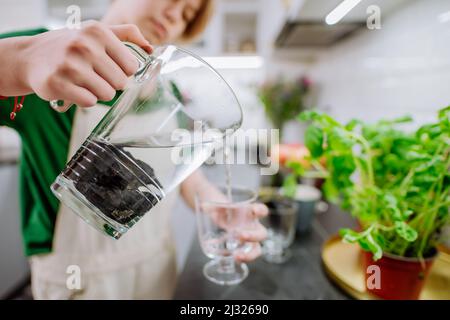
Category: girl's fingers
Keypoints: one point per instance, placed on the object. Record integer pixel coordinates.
(257, 233)
(131, 33)
(254, 253)
(78, 95)
(111, 72)
(100, 88)
(90, 80)
(260, 210)
(81, 74)
(121, 55)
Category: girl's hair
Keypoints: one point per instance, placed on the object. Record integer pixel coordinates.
(199, 23)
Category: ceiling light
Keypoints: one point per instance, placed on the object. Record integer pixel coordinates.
(341, 11)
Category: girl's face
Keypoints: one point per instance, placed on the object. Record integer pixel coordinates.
(163, 21)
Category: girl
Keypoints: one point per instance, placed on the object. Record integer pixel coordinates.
(63, 249)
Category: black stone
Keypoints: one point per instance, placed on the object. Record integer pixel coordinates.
(114, 181)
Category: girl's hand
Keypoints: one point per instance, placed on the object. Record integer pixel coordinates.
(82, 65)
(243, 224)
(253, 235)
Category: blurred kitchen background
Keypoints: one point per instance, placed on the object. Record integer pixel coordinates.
(346, 69)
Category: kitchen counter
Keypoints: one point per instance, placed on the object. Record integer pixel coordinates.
(302, 277)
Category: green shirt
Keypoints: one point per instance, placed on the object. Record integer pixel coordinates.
(45, 136)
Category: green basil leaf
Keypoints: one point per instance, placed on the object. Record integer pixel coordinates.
(290, 186)
(349, 235)
(405, 231)
(374, 247)
(365, 241)
(339, 140)
(330, 190)
(444, 118)
(352, 124)
(314, 141)
(296, 167)
(308, 116)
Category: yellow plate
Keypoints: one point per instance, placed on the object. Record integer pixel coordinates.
(343, 264)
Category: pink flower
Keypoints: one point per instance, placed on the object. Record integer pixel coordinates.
(306, 83)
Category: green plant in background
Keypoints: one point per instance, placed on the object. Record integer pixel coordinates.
(397, 184)
(283, 100)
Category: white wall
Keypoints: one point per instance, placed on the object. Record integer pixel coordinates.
(404, 68)
(23, 14)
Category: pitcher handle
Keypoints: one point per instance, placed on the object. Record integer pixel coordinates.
(144, 59)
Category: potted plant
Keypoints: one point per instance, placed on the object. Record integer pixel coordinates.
(283, 100)
(397, 185)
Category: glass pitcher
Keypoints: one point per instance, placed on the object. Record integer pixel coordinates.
(149, 141)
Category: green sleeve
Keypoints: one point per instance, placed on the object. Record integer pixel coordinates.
(6, 106)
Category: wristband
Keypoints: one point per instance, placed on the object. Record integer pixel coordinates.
(17, 106)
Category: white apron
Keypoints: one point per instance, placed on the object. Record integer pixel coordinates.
(140, 265)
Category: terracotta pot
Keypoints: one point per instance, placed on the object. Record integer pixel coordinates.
(400, 278)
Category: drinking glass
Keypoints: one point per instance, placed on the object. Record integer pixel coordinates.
(219, 222)
(280, 224)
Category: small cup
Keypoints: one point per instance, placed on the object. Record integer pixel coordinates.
(307, 197)
(280, 224)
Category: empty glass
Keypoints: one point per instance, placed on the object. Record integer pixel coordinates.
(154, 136)
(280, 224)
(219, 222)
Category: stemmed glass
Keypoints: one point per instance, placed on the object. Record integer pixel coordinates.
(219, 222)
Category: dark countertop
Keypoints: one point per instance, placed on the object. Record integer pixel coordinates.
(302, 277)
